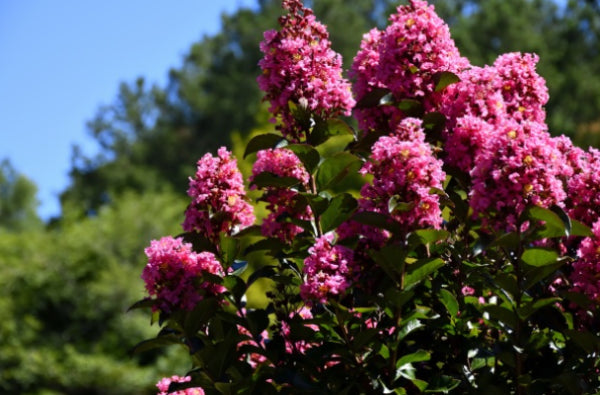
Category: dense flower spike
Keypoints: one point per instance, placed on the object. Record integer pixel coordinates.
(328, 270)
(218, 197)
(404, 168)
(163, 386)
(586, 269)
(299, 66)
(519, 165)
(583, 187)
(405, 58)
(174, 274)
(524, 91)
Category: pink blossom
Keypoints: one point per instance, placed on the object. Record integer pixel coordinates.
(583, 188)
(404, 168)
(328, 270)
(282, 162)
(164, 383)
(519, 165)
(467, 291)
(219, 202)
(523, 89)
(253, 359)
(467, 138)
(174, 274)
(299, 66)
(586, 269)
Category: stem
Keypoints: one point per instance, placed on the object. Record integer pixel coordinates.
(313, 190)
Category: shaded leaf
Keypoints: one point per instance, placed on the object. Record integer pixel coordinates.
(308, 155)
(421, 269)
(267, 179)
(262, 141)
(443, 79)
(335, 168)
(449, 301)
(340, 209)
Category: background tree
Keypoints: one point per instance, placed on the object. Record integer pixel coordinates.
(18, 203)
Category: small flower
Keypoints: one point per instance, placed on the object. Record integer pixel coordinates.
(586, 269)
(404, 168)
(218, 197)
(174, 274)
(327, 270)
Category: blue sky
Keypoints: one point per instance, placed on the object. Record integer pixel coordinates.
(61, 59)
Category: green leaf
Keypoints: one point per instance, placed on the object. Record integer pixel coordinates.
(411, 107)
(553, 225)
(418, 356)
(372, 98)
(142, 304)
(408, 327)
(271, 244)
(266, 179)
(428, 236)
(533, 274)
(230, 247)
(377, 220)
(443, 79)
(263, 272)
(449, 301)
(318, 203)
(501, 314)
(323, 130)
(421, 269)
(157, 342)
(262, 141)
(434, 123)
(538, 257)
(584, 339)
(397, 206)
(340, 209)
(443, 384)
(199, 316)
(580, 229)
(530, 308)
(335, 168)
(235, 285)
(391, 259)
(308, 155)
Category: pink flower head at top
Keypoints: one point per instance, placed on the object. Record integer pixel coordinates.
(328, 270)
(299, 66)
(414, 47)
(524, 90)
(281, 202)
(174, 274)
(586, 269)
(404, 168)
(520, 165)
(218, 197)
(163, 386)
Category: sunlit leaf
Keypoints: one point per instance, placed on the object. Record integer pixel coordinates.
(340, 209)
(443, 79)
(261, 142)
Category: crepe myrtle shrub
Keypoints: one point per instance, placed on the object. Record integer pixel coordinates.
(466, 259)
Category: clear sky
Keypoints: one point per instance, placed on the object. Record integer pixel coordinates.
(61, 59)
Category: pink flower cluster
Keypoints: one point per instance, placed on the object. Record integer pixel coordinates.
(519, 165)
(163, 386)
(174, 274)
(253, 359)
(299, 66)
(282, 202)
(328, 270)
(282, 162)
(405, 58)
(219, 201)
(584, 186)
(404, 168)
(586, 269)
